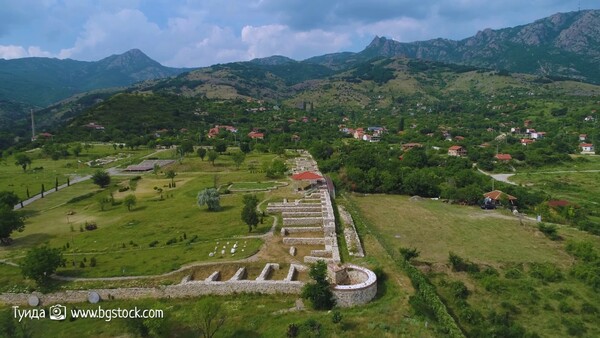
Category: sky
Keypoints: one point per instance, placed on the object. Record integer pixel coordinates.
(197, 33)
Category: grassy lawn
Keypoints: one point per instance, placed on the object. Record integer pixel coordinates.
(554, 306)
(582, 188)
(435, 228)
(253, 186)
(12, 177)
(163, 231)
(247, 315)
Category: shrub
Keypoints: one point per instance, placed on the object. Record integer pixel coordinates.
(172, 241)
(153, 243)
(459, 290)
(409, 253)
(546, 272)
(336, 317)
(549, 230)
(90, 226)
(93, 262)
(293, 330)
(460, 264)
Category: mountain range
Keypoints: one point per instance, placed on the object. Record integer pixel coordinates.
(42, 81)
(562, 46)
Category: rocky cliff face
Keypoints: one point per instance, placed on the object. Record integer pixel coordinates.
(564, 44)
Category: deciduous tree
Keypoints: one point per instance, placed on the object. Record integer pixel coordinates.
(130, 201)
(319, 291)
(10, 221)
(212, 156)
(40, 263)
(210, 197)
(238, 158)
(201, 153)
(22, 160)
(249, 214)
(101, 178)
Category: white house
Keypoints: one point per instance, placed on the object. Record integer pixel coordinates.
(587, 148)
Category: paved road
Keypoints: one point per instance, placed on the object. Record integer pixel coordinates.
(75, 179)
(499, 177)
(113, 171)
(506, 177)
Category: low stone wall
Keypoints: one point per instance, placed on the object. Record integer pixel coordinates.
(355, 294)
(294, 214)
(293, 271)
(239, 275)
(213, 277)
(320, 253)
(292, 230)
(313, 259)
(302, 221)
(189, 289)
(305, 241)
(294, 208)
(267, 270)
(352, 240)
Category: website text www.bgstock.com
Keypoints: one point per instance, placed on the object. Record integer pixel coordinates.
(60, 312)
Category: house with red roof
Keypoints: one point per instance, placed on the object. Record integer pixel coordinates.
(409, 146)
(497, 196)
(503, 157)
(526, 141)
(587, 148)
(457, 151)
(256, 135)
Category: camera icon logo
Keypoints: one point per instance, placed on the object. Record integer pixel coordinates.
(58, 312)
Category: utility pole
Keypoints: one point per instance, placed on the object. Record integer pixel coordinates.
(32, 126)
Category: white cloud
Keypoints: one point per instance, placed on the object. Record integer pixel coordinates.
(14, 52)
(268, 40)
(401, 29)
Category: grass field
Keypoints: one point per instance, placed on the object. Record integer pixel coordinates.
(12, 177)
(551, 307)
(582, 188)
(163, 231)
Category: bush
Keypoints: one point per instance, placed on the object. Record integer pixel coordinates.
(549, 230)
(172, 241)
(459, 290)
(460, 264)
(546, 272)
(336, 317)
(93, 262)
(409, 253)
(153, 244)
(90, 226)
(293, 330)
